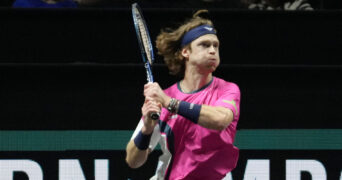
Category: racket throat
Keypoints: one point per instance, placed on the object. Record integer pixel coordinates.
(149, 72)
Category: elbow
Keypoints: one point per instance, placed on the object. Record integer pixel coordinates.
(222, 126)
(132, 164)
(135, 158)
(132, 161)
(223, 121)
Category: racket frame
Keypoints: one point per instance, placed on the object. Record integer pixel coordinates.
(147, 62)
(136, 13)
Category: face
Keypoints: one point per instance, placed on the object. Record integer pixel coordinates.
(204, 53)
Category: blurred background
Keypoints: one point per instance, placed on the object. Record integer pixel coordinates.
(71, 82)
(227, 4)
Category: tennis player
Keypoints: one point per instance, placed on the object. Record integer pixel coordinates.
(199, 114)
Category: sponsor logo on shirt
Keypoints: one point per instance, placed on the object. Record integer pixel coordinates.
(232, 102)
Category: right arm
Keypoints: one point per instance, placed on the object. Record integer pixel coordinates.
(136, 157)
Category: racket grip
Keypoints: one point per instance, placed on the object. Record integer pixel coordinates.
(155, 116)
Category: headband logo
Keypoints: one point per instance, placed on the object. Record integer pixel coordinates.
(197, 32)
(208, 28)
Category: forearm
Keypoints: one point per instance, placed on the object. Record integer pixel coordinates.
(137, 149)
(134, 156)
(217, 118)
(210, 117)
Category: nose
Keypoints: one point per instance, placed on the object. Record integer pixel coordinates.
(212, 50)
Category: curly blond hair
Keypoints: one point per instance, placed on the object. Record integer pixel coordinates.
(169, 40)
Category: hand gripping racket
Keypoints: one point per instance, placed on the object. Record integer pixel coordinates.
(145, 45)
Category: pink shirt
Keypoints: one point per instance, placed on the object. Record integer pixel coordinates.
(198, 152)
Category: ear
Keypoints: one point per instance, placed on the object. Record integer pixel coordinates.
(186, 52)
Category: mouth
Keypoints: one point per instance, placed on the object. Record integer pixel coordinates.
(212, 62)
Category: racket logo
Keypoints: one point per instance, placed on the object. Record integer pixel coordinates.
(232, 102)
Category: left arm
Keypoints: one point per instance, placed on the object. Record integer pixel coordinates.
(211, 117)
(217, 118)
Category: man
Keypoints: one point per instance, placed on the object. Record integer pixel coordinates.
(199, 114)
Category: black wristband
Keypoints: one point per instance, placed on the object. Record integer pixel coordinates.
(142, 141)
(189, 111)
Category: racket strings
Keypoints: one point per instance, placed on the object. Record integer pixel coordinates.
(144, 36)
(145, 41)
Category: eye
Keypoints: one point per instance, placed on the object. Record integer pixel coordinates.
(205, 44)
(216, 45)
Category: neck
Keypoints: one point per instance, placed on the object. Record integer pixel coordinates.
(194, 81)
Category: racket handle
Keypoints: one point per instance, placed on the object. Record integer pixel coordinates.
(155, 116)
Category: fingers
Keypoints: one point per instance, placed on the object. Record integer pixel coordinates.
(150, 106)
(150, 102)
(150, 84)
(152, 90)
(148, 98)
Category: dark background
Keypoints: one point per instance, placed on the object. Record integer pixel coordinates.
(81, 70)
(226, 4)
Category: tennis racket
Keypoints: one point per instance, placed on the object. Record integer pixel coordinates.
(145, 45)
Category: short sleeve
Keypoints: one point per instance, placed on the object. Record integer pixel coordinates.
(230, 98)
